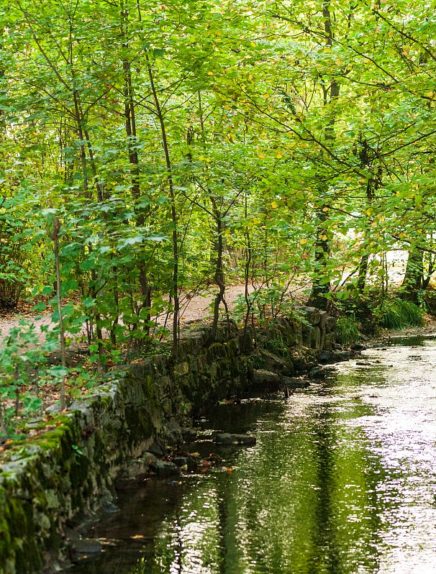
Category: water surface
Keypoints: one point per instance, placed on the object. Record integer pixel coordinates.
(341, 481)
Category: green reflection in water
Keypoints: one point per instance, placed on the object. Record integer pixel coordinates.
(301, 501)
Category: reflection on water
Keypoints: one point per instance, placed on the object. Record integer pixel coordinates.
(341, 481)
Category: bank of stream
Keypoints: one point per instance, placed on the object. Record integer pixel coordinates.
(341, 480)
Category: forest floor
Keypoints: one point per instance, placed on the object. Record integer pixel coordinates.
(195, 307)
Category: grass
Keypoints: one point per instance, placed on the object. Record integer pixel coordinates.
(347, 330)
(398, 313)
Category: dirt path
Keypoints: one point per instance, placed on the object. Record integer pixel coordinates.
(195, 308)
(10, 320)
(198, 307)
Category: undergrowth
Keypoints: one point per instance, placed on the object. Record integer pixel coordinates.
(398, 313)
(347, 330)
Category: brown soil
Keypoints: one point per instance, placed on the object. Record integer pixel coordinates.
(193, 308)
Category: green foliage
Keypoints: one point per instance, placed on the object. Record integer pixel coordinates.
(19, 357)
(347, 330)
(303, 153)
(30, 377)
(16, 244)
(265, 303)
(277, 345)
(398, 313)
(182, 146)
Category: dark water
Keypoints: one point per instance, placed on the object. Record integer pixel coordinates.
(341, 481)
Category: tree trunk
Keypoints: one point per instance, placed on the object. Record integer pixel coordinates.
(363, 271)
(55, 239)
(219, 267)
(174, 214)
(132, 150)
(367, 155)
(321, 283)
(413, 279)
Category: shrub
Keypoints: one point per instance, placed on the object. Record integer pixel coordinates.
(17, 250)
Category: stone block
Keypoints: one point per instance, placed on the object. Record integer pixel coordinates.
(311, 314)
(330, 324)
(307, 331)
(315, 341)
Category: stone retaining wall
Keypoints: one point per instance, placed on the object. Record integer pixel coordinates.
(50, 482)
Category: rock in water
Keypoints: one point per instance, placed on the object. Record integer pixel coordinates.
(295, 383)
(264, 377)
(274, 363)
(164, 468)
(321, 373)
(241, 439)
(157, 449)
(86, 546)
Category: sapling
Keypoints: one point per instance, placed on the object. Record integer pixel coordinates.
(19, 355)
(3, 429)
(55, 239)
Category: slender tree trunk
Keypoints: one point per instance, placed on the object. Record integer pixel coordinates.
(219, 266)
(174, 215)
(321, 285)
(131, 134)
(81, 136)
(55, 239)
(363, 272)
(84, 163)
(367, 156)
(116, 294)
(98, 185)
(247, 267)
(3, 429)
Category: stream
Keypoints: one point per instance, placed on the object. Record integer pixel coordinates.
(341, 481)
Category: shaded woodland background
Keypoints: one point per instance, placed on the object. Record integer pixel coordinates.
(153, 150)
